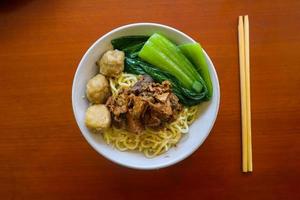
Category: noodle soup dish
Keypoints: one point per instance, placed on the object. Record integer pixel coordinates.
(145, 95)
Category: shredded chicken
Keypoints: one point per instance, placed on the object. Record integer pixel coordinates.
(146, 104)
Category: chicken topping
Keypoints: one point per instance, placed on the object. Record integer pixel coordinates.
(145, 104)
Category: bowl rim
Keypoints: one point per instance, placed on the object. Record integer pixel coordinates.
(158, 166)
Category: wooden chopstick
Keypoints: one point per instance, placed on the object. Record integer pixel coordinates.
(247, 71)
(243, 94)
(244, 57)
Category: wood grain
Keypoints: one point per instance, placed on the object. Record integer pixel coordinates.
(44, 156)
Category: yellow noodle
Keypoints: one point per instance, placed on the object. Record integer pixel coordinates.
(151, 142)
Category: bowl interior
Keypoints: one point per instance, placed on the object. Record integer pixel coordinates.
(87, 68)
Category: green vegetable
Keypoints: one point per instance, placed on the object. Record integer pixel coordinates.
(185, 96)
(129, 44)
(166, 56)
(194, 52)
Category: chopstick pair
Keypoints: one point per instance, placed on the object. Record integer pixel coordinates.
(244, 57)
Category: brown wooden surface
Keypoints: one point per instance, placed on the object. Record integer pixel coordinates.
(42, 152)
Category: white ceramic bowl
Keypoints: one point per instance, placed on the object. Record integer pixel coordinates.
(199, 130)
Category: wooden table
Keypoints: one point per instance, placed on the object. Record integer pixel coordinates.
(43, 154)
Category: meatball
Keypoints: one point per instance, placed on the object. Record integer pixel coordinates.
(112, 63)
(97, 89)
(97, 117)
